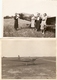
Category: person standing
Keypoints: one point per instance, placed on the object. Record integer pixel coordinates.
(33, 22)
(38, 21)
(43, 23)
(16, 21)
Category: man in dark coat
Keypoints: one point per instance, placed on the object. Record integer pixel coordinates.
(38, 21)
(16, 21)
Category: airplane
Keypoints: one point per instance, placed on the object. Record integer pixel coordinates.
(51, 22)
(27, 59)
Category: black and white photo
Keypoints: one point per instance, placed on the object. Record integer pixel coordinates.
(29, 18)
(28, 59)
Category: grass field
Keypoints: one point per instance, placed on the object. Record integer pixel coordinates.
(42, 68)
(24, 30)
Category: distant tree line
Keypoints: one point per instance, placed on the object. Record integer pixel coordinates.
(8, 17)
(21, 16)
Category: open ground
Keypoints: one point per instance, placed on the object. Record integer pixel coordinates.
(41, 68)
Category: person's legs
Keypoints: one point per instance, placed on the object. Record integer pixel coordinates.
(36, 24)
(42, 31)
(38, 27)
(42, 28)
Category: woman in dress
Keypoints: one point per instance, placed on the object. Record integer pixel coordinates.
(16, 21)
(38, 21)
(43, 23)
(33, 22)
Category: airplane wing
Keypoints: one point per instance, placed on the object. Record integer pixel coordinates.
(51, 21)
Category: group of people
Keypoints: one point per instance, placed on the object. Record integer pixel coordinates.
(37, 22)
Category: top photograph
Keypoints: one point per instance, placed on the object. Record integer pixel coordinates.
(29, 18)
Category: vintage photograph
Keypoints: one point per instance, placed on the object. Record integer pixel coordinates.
(29, 18)
(28, 59)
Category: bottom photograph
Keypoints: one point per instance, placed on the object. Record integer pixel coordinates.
(28, 59)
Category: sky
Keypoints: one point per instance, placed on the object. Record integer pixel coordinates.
(29, 47)
(10, 7)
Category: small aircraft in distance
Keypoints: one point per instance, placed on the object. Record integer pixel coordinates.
(26, 59)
